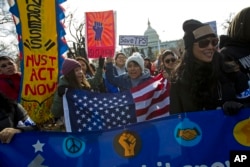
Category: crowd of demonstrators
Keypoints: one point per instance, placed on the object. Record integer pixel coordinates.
(204, 80)
(169, 61)
(236, 44)
(13, 119)
(10, 78)
(135, 75)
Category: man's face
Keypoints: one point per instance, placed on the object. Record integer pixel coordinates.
(7, 67)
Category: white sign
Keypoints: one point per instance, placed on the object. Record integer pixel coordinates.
(133, 40)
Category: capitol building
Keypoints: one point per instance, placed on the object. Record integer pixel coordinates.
(155, 44)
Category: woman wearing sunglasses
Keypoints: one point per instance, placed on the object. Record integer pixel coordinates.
(169, 61)
(203, 81)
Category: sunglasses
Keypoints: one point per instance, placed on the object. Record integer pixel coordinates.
(205, 42)
(168, 60)
(5, 65)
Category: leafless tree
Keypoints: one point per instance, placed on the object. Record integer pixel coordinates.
(76, 37)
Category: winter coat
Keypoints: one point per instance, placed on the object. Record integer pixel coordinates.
(57, 105)
(10, 85)
(238, 51)
(124, 82)
(228, 86)
(10, 119)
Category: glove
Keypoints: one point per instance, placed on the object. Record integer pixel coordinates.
(101, 62)
(232, 107)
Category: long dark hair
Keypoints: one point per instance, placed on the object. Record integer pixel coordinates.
(200, 77)
(73, 82)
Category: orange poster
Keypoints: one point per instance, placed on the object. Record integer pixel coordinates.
(100, 34)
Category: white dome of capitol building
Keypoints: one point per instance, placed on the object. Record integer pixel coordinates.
(152, 35)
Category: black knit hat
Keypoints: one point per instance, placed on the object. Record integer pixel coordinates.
(195, 31)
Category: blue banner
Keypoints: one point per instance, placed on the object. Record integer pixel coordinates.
(202, 139)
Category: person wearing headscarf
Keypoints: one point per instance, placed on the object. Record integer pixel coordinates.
(202, 80)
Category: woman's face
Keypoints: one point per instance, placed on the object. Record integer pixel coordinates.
(83, 65)
(169, 61)
(134, 70)
(120, 60)
(79, 74)
(204, 49)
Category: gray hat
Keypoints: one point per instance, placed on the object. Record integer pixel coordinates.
(136, 57)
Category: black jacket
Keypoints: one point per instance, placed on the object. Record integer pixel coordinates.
(10, 119)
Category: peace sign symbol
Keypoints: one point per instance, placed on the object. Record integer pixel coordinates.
(73, 147)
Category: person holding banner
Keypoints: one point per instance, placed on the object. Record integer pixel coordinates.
(10, 78)
(203, 80)
(72, 77)
(135, 75)
(13, 119)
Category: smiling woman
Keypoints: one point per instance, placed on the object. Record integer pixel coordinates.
(203, 80)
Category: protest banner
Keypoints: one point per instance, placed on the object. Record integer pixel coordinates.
(191, 139)
(41, 44)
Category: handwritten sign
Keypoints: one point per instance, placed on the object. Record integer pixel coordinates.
(40, 61)
(133, 40)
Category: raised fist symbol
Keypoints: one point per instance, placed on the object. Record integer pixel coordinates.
(98, 30)
(128, 142)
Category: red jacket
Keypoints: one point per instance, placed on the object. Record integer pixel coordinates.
(10, 85)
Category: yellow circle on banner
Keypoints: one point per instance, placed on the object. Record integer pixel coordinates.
(242, 132)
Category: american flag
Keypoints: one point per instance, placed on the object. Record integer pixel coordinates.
(152, 99)
(92, 111)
